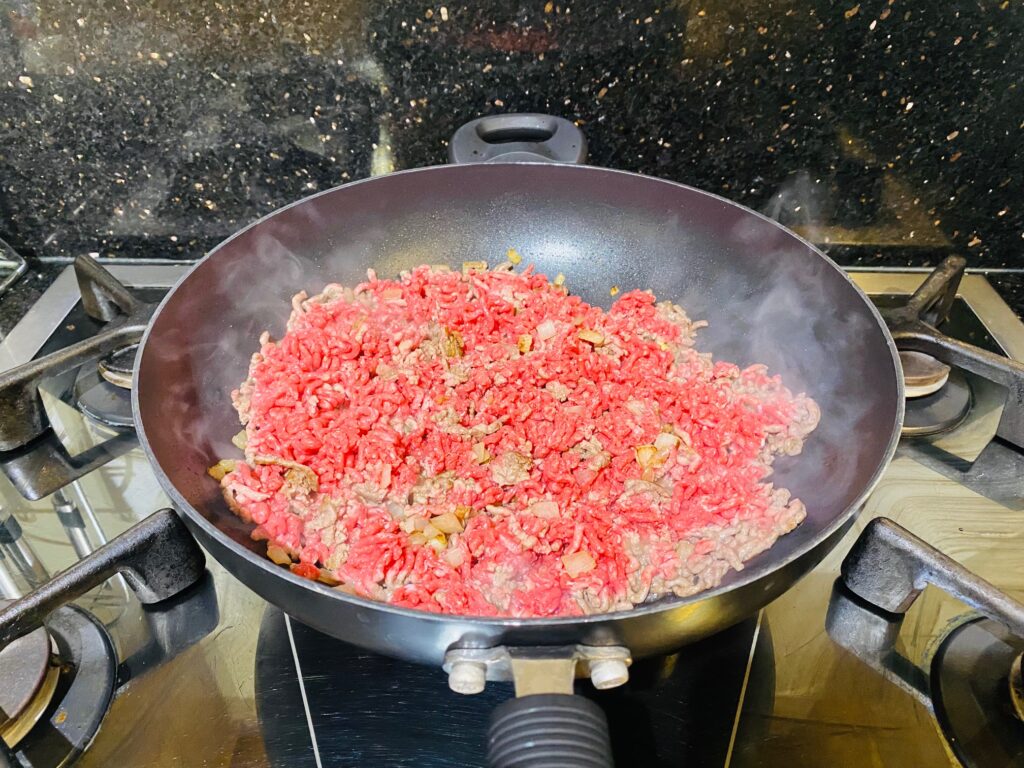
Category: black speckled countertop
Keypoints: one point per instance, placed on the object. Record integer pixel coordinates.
(886, 131)
(1011, 288)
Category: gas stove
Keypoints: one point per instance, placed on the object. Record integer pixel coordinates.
(216, 676)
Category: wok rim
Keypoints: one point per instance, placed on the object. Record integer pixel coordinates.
(664, 604)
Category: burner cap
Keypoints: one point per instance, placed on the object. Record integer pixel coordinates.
(17, 729)
(940, 411)
(117, 367)
(1017, 686)
(971, 692)
(23, 667)
(922, 373)
(82, 692)
(102, 401)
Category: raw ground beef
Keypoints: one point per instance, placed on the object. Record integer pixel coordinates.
(484, 443)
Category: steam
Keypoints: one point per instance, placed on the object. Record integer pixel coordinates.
(799, 204)
(792, 312)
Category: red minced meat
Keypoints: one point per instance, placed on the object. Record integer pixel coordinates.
(484, 443)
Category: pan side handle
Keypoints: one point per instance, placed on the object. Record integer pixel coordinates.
(518, 138)
(548, 729)
(546, 724)
(158, 557)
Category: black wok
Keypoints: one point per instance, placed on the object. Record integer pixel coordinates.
(768, 296)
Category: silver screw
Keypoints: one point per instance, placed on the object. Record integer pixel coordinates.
(608, 673)
(467, 677)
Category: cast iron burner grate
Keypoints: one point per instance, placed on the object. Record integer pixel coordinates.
(57, 682)
(915, 329)
(31, 454)
(973, 682)
(164, 566)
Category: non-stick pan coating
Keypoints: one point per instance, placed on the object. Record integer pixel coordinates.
(769, 297)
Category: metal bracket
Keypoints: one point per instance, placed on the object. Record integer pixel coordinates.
(536, 670)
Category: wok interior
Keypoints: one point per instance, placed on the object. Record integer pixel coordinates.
(768, 297)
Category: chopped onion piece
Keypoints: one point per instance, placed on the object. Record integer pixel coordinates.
(480, 453)
(473, 266)
(278, 555)
(546, 330)
(559, 279)
(447, 523)
(591, 337)
(513, 255)
(454, 346)
(430, 531)
(525, 343)
(221, 468)
(646, 455)
(240, 440)
(578, 563)
(326, 577)
(665, 442)
(455, 557)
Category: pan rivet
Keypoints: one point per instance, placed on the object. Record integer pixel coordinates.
(608, 673)
(467, 677)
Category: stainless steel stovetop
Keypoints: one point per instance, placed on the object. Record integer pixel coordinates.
(220, 679)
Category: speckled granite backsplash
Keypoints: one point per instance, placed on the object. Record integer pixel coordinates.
(886, 130)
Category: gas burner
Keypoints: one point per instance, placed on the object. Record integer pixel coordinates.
(938, 395)
(101, 400)
(117, 367)
(31, 454)
(16, 729)
(123, 316)
(72, 669)
(28, 680)
(1017, 686)
(940, 410)
(973, 687)
(922, 374)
